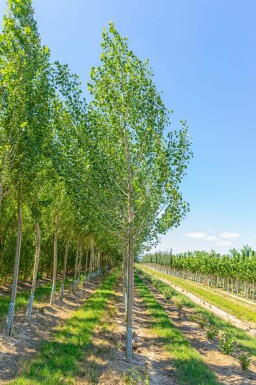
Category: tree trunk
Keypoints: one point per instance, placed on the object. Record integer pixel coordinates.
(91, 260)
(130, 282)
(130, 261)
(86, 266)
(1, 198)
(37, 256)
(79, 265)
(76, 268)
(64, 270)
(55, 260)
(16, 270)
(125, 279)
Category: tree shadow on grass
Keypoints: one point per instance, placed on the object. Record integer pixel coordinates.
(56, 359)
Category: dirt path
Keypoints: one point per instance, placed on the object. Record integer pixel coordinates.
(26, 337)
(226, 367)
(249, 327)
(106, 363)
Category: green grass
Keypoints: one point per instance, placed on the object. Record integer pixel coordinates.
(244, 341)
(190, 368)
(42, 294)
(236, 307)
(58, 360)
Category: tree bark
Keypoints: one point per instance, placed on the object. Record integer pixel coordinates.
(64, 270)
(91, 260)
(16, 270)
(130, 260)
(76, 268)
(79, 264)
(36, 263)
(55, 261)
(86, 266)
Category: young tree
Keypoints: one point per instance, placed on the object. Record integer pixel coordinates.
(25, 96)
(139, 167)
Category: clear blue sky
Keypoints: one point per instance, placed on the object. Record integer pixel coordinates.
(203, 54)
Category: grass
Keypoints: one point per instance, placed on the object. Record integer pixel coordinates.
(42, 294)
(190, 368)
(244, 341)
(58, 360)
(236, 307)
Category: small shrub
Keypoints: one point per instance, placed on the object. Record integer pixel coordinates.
(245, 360)
(179, 303)
(211, 333)
(134, 377)
(192, 317)
(227, 343)
(202, 321)
(168, 295)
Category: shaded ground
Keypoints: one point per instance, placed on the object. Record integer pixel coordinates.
(26, 337)
(226, 367)
(23, 286)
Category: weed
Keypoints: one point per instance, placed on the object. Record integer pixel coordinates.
(227, 343)
(134, 377)
(211, 333)
(179, 303)
(202, 320)
(245, 360)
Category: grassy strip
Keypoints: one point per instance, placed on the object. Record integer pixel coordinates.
(42, 294)
(190, 368)
(236, 307)
(244, 341)
(58, 360)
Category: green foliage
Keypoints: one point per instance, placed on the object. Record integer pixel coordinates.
(237, 264)
(202, 320)
(179, 303)
(211, 333)
(227, 343)
(245, 360)
(103, 178)
(139, 170)
(135, 377)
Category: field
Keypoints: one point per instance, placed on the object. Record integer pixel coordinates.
(91, 177)
(176, 341)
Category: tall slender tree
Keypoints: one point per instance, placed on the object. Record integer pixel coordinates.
(25, 80)
(140, 166)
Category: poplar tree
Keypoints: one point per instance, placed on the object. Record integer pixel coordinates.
(140, 162)
(25, 97)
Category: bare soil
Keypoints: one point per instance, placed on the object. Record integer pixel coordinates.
(26, 337)
(226, 367)
(104, 361)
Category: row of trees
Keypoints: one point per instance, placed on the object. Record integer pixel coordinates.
(77, 176)
(234, 272)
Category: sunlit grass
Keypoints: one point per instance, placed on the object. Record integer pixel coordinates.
(190, 368)
(58, 360)
(238, 308)
(243, 339)
(42, 294)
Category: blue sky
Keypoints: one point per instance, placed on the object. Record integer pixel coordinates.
(203, 56)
